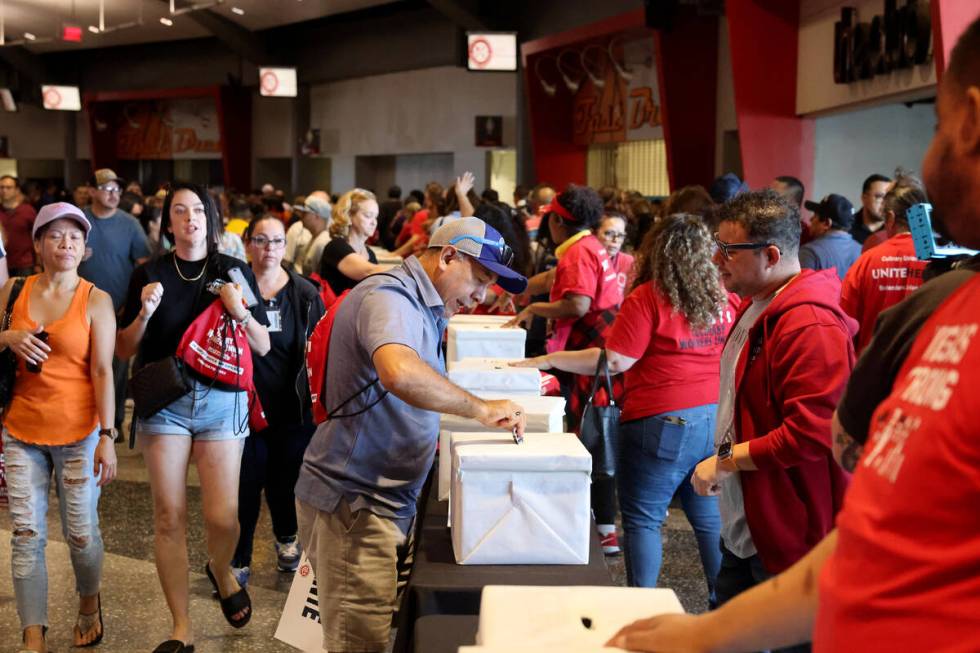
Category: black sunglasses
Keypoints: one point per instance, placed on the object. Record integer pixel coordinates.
(727, 248)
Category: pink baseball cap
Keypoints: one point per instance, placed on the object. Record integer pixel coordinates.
(51, 212)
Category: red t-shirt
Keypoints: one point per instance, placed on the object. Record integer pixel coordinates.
(623, 263)
(906, 572)
(17, 226)
(677, 368)
(881, 277)
(414, 227)
(585, 269)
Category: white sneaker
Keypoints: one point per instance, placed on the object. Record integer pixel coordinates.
(288, 554)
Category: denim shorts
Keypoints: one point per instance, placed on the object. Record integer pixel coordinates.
(202, 414)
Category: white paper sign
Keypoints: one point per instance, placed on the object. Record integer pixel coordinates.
(277, 82)
(491, 50)
(61, 98)
(299, 625)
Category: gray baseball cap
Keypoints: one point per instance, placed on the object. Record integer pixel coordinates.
(474, 237)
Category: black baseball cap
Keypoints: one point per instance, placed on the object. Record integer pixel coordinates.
(836, 208)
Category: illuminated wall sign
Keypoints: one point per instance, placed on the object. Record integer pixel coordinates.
(621, 110)
(72, 33)
(491, 50)
(277, 82)
(61, 98)
(897, 39)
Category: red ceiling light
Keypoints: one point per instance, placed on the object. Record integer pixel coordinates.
(71, 33)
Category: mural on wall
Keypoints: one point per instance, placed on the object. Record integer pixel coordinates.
(612, 107)
(185, 128)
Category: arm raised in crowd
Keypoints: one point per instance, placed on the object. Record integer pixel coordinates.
(409, 378)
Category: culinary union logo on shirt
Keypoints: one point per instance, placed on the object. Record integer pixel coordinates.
(929, 385)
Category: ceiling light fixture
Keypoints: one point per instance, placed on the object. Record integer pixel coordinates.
(597, 79)
(166, 21)
(571, 84)
(548, 88)
(93, 29)
(625, 73)
(29, 36)
(238, 10)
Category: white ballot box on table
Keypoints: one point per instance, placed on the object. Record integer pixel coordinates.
(466, 318)
(521, 504)
(385, 257)
(299, 625)
(564, 618)
(544, 415)
(495, 375)
(483, 340)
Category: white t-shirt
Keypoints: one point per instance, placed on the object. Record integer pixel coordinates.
(298, 239)
(314, 252)
(734, 527)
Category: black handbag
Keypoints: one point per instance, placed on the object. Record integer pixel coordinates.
(8, 360)
(157, 385)
(599, 428)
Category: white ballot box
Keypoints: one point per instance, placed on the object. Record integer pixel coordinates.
(483, 340)
(466, 318)
(564, 618)
(385, 257)
(544, 415)
(520, 504)
(480, 375)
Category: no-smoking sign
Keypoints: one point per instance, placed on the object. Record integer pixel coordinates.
(277, 82)
(52, 98)
(480, 53)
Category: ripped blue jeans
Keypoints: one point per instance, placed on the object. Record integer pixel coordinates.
(29, 468)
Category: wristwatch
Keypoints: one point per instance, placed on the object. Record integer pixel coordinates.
(112, 433)
(726, 456)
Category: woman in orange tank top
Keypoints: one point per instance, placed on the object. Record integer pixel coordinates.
(62, 330)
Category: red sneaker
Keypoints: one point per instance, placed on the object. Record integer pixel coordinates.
(610, 544)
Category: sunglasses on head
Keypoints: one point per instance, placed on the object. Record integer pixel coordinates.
(506, 253)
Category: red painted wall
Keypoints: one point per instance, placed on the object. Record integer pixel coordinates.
(774, 141)
(687, 67)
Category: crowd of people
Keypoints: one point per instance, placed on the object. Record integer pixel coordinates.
(758, 341)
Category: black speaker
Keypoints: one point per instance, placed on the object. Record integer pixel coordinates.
(660, 13)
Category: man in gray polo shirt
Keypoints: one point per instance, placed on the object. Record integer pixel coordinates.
(385, 387)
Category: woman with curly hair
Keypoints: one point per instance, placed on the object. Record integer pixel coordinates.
(667, 340)
(347, 258)
(584, 296)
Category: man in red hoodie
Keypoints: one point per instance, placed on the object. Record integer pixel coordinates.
(783, 370)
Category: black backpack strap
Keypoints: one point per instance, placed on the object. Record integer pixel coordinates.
(332, 414)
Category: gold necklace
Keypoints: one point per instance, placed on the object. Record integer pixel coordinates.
(181, 274)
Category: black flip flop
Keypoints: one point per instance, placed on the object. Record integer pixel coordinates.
(232, 604)
(98, 639)
(174, 646)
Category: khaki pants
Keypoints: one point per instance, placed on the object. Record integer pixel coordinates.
(355, 560)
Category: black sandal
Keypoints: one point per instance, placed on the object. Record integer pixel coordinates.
(233, 604)
(89, 620)
(174, 646)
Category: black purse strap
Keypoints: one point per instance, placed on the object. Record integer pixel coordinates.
(602, 373)
(14, 294)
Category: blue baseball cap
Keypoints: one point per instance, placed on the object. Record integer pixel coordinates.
(474, 237)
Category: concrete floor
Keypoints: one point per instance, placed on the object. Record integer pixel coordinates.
(136, 616)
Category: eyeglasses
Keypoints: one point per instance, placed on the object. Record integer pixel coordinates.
(727, 248)
(506, 253)
(614, 235)
(113, 189)
(262, 242)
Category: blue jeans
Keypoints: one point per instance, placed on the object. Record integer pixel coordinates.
(656, 459)
(738, 575)
(29, 468)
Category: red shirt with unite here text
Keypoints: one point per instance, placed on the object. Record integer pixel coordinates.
(906, 572)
